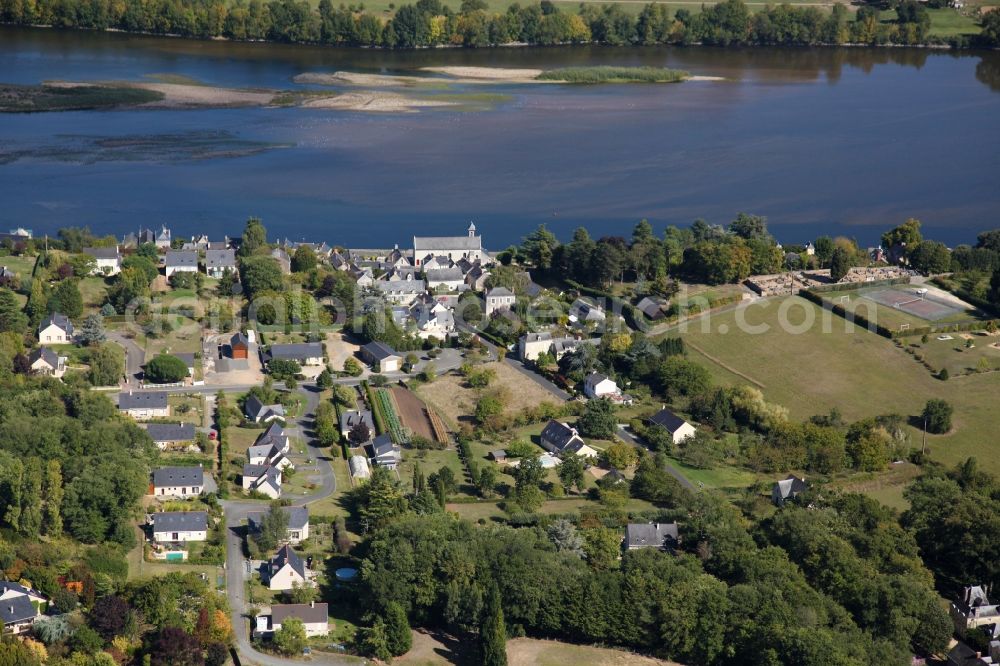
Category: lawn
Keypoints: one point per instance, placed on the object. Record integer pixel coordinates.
(947, 22)
(138, 568)
(955, 356)
(455, 402)
(723, 477)
(94, 292)
(476, 511)
(23, 266)
(187, 408)
(811, 369)
(430, 461)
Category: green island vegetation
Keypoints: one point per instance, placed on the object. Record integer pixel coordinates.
(898, 512)
(479, 24)
(613, 75)
(28, 99)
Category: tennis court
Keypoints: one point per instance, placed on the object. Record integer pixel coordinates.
(925, 306)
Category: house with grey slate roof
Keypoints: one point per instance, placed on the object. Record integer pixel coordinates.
(285, 570)
(109, 260)
(315, 618)
(298, 522)
(169, 435)
(349, 419)
(17, 614)
(181, 482)
(44, 361)
(263, 479)
(55, 329)
(217, 262)
(143, 405)
(258, 412)
(303, 353)
(664, 536)
(181, 261)
(179, 526)
(788, 489)
(678, 428)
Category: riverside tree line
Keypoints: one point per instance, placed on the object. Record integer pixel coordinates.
(430, 23)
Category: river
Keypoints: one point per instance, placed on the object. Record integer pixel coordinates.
(838, 141)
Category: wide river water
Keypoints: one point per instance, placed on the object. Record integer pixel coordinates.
(840, 141)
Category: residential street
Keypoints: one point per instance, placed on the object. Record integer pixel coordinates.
(236, 564)
(135, 357)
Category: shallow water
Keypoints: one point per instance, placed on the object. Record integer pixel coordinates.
(819, 140)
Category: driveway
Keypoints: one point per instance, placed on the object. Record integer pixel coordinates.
(629, 438)
(135, 357)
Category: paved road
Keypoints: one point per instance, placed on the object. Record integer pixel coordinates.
(135, 357)
(628, 437)
(236, 564)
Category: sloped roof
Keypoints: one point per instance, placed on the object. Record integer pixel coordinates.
(295, 351)
(594, 379)
(142, 400)
(60, 320)
(441, 243)
(653, 535)
(178, 476)
(102, 252)
(17, 609)
(308, 613)
(220, 258)
(667, 419)
(239, 338)
(559, 434)
(46, 355)
(180, 521)
(182, 258)
(286, 555)
(350, 419)
(298, 517)
(170, 432)
(499, 292)
(379, 350)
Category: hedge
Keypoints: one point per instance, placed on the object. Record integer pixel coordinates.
(859, 320)
(852, 286)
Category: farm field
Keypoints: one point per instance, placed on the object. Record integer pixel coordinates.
(412, 413)
(455, 402)
(811, 369)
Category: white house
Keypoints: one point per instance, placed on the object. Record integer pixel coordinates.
(584, 312)
(531, 345)
(303, 353)
(181, 261)
(285, 570)
(444, 279)
(143, 405)
(163, 238)
(264, 479)
(298, 522)
(382, 452)
(469, 246)
(560, 437)
(314, 617)
(432, 319)
(44, 361)
(167, 435)
(109, 261)
(217, 262)
(399, 292)
(181, 482)
(179, 526)
(381, 357)
(597, 385)
(270, 448)
(55, 329)
(499, 299)
(258, 412)
(678, 428)
(17, 614)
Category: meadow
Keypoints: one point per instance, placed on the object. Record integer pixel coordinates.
(830, 363)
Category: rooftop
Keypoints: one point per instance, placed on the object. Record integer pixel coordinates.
(142, 400)
(180, 521)
(178, 476)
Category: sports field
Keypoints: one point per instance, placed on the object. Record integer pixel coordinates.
(901, 307)
(809, 360)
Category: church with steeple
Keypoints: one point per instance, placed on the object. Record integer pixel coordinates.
(468, 247)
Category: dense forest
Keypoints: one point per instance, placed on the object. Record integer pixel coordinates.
(429, 23)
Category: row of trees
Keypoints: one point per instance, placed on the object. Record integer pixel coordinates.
(429, 23)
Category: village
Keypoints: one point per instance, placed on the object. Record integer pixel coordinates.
(282, 382)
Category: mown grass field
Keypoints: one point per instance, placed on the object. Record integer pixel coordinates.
(811, 369)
